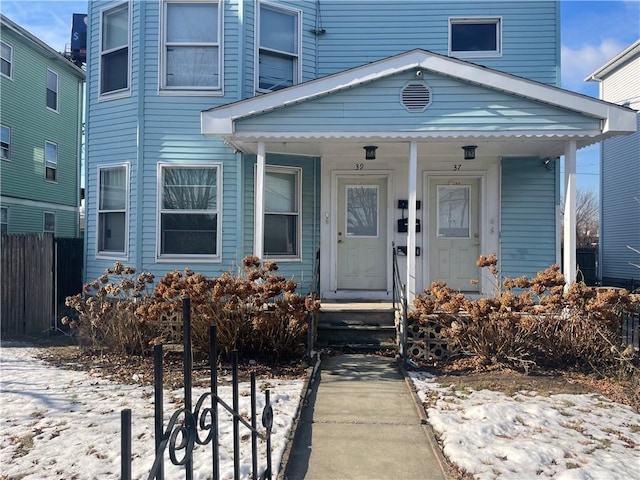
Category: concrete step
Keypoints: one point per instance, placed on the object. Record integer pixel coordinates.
(358, 327)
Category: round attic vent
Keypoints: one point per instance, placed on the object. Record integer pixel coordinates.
(416, 96)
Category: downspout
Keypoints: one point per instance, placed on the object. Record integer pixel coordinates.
(241, 56)
(79, 156)
(140, 139)
(239, 156)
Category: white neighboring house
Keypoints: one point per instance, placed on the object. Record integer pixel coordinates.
(620, 175)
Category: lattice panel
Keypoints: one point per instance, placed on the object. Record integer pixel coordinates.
(425, 341)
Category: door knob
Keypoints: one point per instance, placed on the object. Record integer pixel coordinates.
(339, 241)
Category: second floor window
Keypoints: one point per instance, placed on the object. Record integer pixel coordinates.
(49, 222)
(475, 37)
(112, 210)
(278, 57)
(114, 49)
(191, 45)
(6, 59)
(52, 90)
(51, 161)
(5, 142)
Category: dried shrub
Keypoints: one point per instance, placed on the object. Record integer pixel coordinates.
(111, 315)
(533, 321)
(255, 311)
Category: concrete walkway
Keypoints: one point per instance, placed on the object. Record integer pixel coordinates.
(361, 422)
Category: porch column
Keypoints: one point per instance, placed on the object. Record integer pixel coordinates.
(411, 235)
(258, 230)
(569, 258)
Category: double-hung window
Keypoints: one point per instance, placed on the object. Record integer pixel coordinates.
(189, 211)
(112, 209)
(278, 49)
(4, 220)
(51, 161)
(475, 37)
(52, 90)
(6, 59)
(49, 220)
(114, 49)
(5, 142)
(191, 54)
(282, 212)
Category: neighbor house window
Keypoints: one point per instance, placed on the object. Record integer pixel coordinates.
(112, 209)
(191, 45)
(49, 222)
(114, 49)
(52, 90)
(189, 203)
(278, 50)
(4, 220)
(6, 59)
(475, 37)
(282, 212)
(51, 161)
(5, 142)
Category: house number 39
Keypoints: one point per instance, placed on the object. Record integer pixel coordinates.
(359, 166)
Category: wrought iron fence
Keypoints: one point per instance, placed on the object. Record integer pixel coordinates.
(189, 426)
(631, 328)
(400, 304)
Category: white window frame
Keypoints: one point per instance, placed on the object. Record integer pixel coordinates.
(203, 258)
(44, 222)
(8, 60)
(497, 21)
(56, 91)
(126, 91)
(4, 220)
(297, 171)
(165, 89)
(113, 254)
(49, 163)
(8, 147)
(297, 58)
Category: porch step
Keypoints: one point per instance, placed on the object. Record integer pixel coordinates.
(361, 326)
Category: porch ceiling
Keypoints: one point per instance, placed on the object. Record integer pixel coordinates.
(392, 148)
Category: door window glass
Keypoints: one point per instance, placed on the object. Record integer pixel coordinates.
(362, 210)
(453, 211)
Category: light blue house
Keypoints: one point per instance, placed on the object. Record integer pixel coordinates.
(620, 175)
(330, 130)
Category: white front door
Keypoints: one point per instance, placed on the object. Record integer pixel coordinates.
(454, 236)
(362, 233)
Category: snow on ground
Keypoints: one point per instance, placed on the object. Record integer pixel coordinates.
(64, 424)
(531, 436)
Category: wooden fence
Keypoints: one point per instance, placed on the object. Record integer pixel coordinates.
(30, 276)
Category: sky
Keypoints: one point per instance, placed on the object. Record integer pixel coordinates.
(71, 426)
(592, 32)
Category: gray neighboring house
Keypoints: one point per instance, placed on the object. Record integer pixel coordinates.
(620, 175)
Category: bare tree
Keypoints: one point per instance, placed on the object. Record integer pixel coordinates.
(587, 212)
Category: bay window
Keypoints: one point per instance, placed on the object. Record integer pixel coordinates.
(189, 211)
(114, 49)
(191, 53)
(112, 209)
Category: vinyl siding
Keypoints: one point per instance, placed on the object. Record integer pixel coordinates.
(528, 217)
(25, 219)
(620, 204)
(23, 109)
(530, 49)
(455, 105)
(622, 85)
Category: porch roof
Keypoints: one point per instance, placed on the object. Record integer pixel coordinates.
(235, 122)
